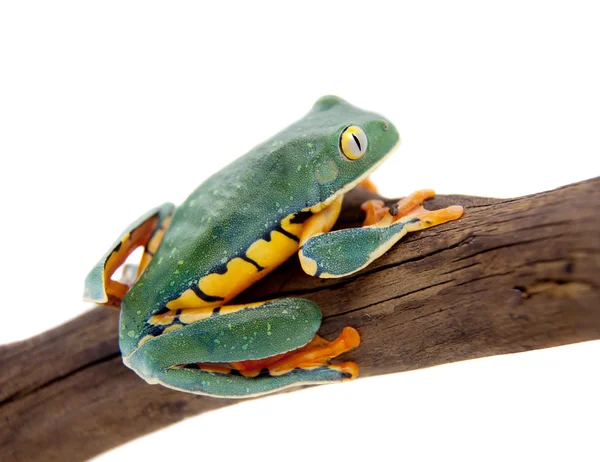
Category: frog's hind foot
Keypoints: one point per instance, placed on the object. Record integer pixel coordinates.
(316, 354)
(147, 232)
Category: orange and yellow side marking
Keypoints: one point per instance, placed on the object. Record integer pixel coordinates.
(189, 299)
(145, 339)
(240, 274)
(228, 309)
(190, 315)
(292, 228)
(172, 328)
(163, 319)
(270, 254)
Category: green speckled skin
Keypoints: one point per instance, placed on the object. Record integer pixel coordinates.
(343, 252)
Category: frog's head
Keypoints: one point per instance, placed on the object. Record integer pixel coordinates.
(347, 144)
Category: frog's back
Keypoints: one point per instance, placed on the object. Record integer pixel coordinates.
(242, 204)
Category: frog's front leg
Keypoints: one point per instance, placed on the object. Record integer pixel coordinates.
(340, 253)
(147, 231)
(240, 350)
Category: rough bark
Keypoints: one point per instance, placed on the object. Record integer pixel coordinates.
(511, 275)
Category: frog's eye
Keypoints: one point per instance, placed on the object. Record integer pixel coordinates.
(353, 142)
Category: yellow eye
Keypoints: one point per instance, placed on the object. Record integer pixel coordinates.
(353, 142)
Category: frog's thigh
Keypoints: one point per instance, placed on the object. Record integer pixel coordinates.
(146, 231)
(230, 333)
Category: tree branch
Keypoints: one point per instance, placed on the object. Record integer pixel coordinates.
(511, 275)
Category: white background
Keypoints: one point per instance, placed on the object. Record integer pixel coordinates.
(110, 108)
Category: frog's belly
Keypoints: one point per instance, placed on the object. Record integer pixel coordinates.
(262, 257)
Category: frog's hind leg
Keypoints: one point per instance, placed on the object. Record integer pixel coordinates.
(147, 231)
(241, 350)
(343, 252)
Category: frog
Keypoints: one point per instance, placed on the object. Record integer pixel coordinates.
(178, 326)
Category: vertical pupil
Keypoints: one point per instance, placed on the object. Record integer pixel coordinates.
(357, 142)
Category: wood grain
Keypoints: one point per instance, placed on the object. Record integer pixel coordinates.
(511, 275)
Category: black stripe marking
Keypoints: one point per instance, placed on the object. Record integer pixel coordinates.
(221, 269)
(249, 260)
(202, 296)
(280, 230)
(301, 217)
(155, 331)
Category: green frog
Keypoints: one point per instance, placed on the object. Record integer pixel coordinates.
(177, 326)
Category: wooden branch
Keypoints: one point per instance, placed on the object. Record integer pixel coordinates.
(511, 275)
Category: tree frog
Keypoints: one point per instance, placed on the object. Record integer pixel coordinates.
(177, 326)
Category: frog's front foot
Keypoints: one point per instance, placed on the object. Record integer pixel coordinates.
(340, 253)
